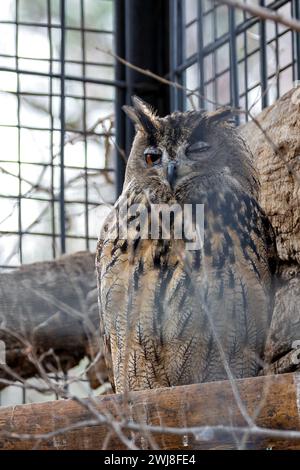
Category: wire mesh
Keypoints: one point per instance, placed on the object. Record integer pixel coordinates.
(229, 57)
(55, 84)
(57, 172)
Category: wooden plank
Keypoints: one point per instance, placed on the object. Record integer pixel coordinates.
(209, 404)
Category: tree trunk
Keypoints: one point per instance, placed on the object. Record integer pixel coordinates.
(279, 173)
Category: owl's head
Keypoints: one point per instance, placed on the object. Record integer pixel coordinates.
(187, 147)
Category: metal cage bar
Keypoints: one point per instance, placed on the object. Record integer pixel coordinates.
(134, 31)
(62, 129)
(249, 42)
(69, 72)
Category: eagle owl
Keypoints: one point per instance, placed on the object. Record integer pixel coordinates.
(172, 316)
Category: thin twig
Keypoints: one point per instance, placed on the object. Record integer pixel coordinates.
(264, 13)
(156, 77)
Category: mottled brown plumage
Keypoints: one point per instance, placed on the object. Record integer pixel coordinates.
(165, 311)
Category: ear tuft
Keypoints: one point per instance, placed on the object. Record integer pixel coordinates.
(143, 115)
(130, 111)
(222, 114)
(143, 107)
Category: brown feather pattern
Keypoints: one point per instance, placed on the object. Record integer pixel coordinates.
(155, 297)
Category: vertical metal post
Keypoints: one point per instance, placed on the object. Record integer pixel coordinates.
(277, 60)
(234, 84)
(200, 54)
(120, 98)
(19, 133)
(181, 100)
(296, 12)
(53, 224)
(62, 128)
(263, 60)
(215, 61)
(19, 150)
(142, 39)
(86, 189)
(173, 40)
(246, 72)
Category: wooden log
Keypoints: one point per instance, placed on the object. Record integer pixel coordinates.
(284, 334)
(203, 405)
(279, 174)
(51, 305)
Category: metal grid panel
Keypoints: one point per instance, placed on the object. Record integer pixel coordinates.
(229, 57)
(56, 168)
(54, 85)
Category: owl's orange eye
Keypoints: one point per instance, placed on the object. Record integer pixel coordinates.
(152, 159)
(152, 156)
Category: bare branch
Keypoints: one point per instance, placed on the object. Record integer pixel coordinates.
(263, 13)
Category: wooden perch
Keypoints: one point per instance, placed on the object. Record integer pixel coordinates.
(54, 304)
(208, 408)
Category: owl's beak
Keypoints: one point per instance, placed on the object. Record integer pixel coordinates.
(171, 173)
